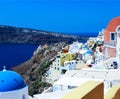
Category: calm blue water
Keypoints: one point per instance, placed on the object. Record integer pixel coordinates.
(14, 54)
(85, 34)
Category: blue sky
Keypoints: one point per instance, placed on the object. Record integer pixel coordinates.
(59, 15)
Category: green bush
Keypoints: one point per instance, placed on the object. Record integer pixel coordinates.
(36, 85)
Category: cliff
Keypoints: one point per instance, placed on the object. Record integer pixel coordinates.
(34, 69)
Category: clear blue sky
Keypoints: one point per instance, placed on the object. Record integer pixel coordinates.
(59, 15)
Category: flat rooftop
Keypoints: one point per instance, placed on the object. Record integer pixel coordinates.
(113, 74)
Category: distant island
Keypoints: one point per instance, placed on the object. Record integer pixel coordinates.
(10, 34)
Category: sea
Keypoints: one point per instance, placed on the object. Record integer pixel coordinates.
(13, 54)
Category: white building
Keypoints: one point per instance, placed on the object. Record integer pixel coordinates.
(12, 86)
(55, 71)
(75, 78)
(75, 47)
(70, 65)
(118, 45)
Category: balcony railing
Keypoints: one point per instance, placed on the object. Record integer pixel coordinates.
(113, 44)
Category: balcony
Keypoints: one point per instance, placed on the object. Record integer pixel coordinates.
(110, 44)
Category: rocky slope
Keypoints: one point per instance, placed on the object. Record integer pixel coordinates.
(34, 69)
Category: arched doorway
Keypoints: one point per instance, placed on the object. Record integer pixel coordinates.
(23, 97)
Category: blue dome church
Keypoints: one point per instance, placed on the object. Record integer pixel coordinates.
(12, 85)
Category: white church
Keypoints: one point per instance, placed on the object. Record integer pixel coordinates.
(12, 85)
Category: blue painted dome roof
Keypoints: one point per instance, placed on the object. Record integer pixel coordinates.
(10, 80)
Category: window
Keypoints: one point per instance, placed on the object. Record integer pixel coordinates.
(64, 71)
(58, 56)
(112, 36)
(118, 29)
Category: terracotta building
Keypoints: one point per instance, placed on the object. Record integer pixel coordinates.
(112, 39)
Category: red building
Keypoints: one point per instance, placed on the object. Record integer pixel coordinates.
(111, 38)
